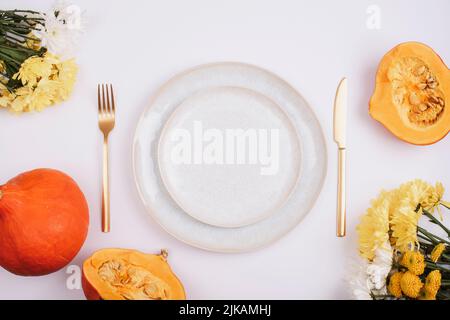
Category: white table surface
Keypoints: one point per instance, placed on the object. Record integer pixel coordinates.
(138, 45)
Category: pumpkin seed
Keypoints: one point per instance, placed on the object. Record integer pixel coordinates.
(431, 105)
(434, 99)
(423, 107)
(422, 86)
(414, 99)
(432, 85)
(420, 70)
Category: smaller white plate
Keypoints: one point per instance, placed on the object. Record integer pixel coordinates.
(229, 156)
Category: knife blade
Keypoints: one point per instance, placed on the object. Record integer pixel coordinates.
(339, 133)
(340, 113)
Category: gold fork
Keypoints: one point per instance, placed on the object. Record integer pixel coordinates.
(106, 121)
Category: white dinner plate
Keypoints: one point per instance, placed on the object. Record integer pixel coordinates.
(229, 156)
(201, 223)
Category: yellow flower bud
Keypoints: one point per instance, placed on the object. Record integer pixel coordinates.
(437, 252)
(411, 284)
(414, 261)
(394, 284)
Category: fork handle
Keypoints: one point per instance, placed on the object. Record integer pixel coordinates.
(105, 190)
(341, 195)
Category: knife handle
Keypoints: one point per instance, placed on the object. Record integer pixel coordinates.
(341, 195)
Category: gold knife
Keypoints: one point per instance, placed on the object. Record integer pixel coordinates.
(340, 115)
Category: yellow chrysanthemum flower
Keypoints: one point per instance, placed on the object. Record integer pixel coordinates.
(46, 80)
(373, 230)
(411, 284)
(414, 261)
(418, 191)
(33, 69)
(411, 197)
(394, 287)
(5, 97)
(433, 282)
(43, 95)
(22, 99)
(404, 226)
(437, 252)
(3, 79)
(67, 73)
(397, 211)
(433, 198)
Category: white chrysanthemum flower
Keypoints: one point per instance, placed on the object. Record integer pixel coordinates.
(359, 282)
(61, 29)
(380, 267)
(370, 277)
(71, 14)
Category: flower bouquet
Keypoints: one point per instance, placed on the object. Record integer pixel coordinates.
(399, 258)
(36, 70)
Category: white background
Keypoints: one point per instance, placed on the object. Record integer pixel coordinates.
(138, 45)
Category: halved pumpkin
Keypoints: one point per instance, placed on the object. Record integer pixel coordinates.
(123, 274)
(411, 96)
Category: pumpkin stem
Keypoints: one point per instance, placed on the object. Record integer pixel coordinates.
(164, 253)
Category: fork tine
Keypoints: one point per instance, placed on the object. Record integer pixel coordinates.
(108, 105)
(99, 99)
(103, 100)
(112, 100)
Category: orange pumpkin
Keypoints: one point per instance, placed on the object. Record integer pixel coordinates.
(44, 220)
(124, 274)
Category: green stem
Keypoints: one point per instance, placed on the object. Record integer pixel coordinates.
(434, 266)
(14, 41)
(444, 205)
(440, 263)
(17, 34)
(435, 220)
(22, 35)
(17, 48)
(7, 27)
(427, 239)
(8, 57)
(442, 296)
(431, 236)
(380, 296)
(19, 11)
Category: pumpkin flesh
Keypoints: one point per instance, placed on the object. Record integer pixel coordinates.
(122, 274)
